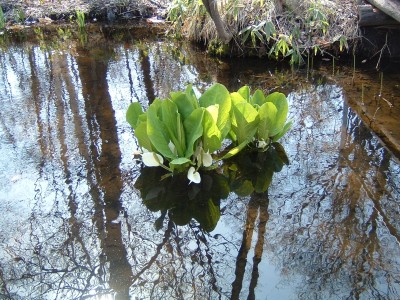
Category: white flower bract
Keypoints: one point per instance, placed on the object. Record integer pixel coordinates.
(193, 176)
(152, 159)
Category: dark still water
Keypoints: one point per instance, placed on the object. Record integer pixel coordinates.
(80, 220)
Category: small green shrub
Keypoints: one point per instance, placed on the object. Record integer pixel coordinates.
(80, 19)
(2, 19)
(184, 133)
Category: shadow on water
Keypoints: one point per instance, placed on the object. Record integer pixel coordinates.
(83, 220)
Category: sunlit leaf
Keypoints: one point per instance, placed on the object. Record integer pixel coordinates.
(282, 106)
(218, 94)
(212, 140)
(267, 123)
(247, 119)
(244, 91)
(258, 98)
(133, 113)
(235, 150)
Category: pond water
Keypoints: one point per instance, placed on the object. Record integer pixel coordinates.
(80, 220)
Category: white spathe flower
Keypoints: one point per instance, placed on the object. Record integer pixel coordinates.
(262, 144)
(172, 147)
(206, 158)
(193, 176)
(152, 159)
(203, 158)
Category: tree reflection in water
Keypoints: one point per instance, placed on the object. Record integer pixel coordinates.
(75, 222)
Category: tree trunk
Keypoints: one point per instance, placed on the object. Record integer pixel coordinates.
(212, 9)
(389, 7)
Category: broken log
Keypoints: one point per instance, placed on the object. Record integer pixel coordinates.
(389, 7)
(369, 16)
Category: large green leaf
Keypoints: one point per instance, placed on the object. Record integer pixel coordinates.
(247, 120)
(211, 134)
(218, 94)
(267, 113)
(142, 137)
(258, 98)
(236, 98)
(133, 113)
(244, 91)
(157, 132)
(185, 103)
(235, 150)
(172, 122)
(282, 106)
(180, 161)
(193, 129)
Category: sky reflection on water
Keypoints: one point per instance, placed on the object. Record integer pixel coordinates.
(74, 224)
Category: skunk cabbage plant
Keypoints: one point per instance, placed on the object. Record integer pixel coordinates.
(183, 132)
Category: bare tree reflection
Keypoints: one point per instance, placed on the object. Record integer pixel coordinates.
(257, 206)
(100, 117)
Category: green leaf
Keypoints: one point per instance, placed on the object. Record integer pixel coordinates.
(172, 122)
(212, 140)
(282, 106)
(235, 150)
(185, 103)
(247, 119)
(180, 161)
(142, 137)
(133, 113)
(267, 114)
(157, 132)
(193, 126)
(244, 91)
(258, 98)
(218, 94)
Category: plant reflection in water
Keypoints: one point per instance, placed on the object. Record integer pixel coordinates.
(249, 173)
